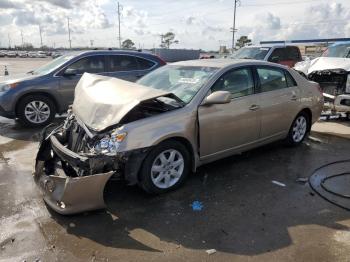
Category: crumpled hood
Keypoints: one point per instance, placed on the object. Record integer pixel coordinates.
(323, 63)
(102, 101)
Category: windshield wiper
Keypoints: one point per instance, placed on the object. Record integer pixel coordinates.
(31, 72)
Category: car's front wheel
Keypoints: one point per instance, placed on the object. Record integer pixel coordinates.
(36, 110)
(165, 168)
(299, 129)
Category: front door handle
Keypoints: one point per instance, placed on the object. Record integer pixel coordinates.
(254, 107)
(294, 98)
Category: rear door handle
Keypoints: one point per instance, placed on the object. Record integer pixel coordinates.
(254, 107)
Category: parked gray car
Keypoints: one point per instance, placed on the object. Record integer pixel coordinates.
(35, 97)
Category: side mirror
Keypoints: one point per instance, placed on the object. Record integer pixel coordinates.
(70, 72)
(275, 59)
(218, 97)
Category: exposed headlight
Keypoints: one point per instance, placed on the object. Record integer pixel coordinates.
(110, 143)
(6, 87)
(347, 87)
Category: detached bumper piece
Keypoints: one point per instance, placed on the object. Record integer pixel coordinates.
(68, 194)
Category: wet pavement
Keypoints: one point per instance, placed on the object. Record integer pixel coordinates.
(244, 216)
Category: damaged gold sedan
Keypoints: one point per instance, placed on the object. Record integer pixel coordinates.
(154, 132)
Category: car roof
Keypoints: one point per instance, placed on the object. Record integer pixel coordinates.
(272, 46)
(221, 63)
(109, 52)
(340, 43)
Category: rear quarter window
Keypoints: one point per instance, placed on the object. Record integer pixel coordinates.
(144, 64)
(290, 80)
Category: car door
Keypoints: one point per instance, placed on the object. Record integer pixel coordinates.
(124, 67)
(278, 101)
(91, 64)
(224, 128)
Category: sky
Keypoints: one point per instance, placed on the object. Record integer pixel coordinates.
(197, 24)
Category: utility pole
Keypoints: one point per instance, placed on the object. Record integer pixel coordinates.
(161, 40)
(41, 38)
(234, 25)
(119, 36)
(8, 35)
(70, 41)
(22, 38)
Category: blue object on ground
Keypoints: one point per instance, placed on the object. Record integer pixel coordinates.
(197, 206)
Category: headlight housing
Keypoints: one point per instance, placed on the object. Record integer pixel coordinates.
(109, 144)
(6, 87)
(347, 87)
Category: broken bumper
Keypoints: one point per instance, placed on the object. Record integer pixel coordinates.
(65, 194)
(340, 103)
(72, 183)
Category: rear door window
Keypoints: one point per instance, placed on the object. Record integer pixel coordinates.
(144, 64)
(271, 78)
(90, 64)
(120, 63)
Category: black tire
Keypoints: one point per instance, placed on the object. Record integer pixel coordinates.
(145, 178)
(290, 139)
(32, 98)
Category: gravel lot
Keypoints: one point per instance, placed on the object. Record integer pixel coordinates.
(245, 217)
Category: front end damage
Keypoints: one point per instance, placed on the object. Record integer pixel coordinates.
(76, 159)
(335, 85)
(71, 168)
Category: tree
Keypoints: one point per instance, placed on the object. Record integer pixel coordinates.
(243, 41)
(128, 44)
(168, 39)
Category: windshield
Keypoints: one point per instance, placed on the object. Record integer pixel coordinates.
(182, 81)
(338, 51)
(49, 67)
(258, 53)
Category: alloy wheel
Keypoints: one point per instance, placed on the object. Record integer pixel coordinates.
(299, 129)
(37, 112)
(167, 168)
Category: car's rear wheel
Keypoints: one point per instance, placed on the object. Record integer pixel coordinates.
(165, 168)
(299, 129)
(36, 110)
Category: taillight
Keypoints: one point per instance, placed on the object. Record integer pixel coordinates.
(162, 62)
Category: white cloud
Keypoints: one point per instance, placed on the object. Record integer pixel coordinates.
(196, 25)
